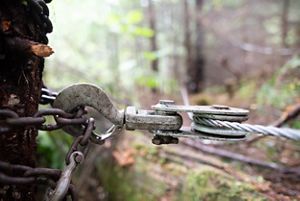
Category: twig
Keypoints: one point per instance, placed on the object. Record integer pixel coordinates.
(239, 157)
(227, 169)
(195, 159)
(290, 113)
(22, 45)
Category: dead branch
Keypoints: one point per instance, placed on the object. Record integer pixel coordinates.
(290, 113)
(239, 157)
(25, 46)
(240, 176)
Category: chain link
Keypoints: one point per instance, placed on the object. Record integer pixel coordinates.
(30, 175)
(47, 96)
(14, 174)
(74, 157)
(10, 120)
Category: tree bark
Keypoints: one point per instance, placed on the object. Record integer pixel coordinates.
(187, 38)
(284, 22)
(195, 58)
(20, 86)
(152, 25)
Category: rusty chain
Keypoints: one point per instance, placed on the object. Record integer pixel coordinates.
(59, 181)
(11, 120)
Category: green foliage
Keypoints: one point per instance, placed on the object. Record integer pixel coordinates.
(210, 185)
(130, 184)
(296, 124)
(278, 97)
(106, 44)
(129, 24)
(134, 17)
(217, 3)
(247, 89)
(272, 26)
(24, 2)
(151, 56)
(149, 81)
(52, 148)
(281, 94)
(142, 31)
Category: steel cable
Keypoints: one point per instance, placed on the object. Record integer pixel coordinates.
(289, 133)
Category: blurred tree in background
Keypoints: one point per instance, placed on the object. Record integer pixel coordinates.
(121, 44)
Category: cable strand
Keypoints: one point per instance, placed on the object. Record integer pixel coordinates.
(289, 133)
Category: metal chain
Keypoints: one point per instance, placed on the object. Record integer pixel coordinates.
(30, 175)
(10, 120)
(47, 96)
(74, 157)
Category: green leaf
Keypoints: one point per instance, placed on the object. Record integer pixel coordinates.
(134, 17)
(148, 81)
(151, 56)
(113, 18)
(143, 31)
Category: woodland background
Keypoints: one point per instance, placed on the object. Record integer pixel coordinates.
(240, 53)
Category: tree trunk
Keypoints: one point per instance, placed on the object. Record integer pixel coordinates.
(152, 24)
(187, 39)
(284, 22)
(20, 85)
(195, 57)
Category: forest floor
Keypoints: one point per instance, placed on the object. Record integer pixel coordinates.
(258, 168)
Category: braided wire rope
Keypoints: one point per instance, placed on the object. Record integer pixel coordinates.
(288, 133)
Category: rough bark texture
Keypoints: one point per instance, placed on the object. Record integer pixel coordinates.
(20, 84)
